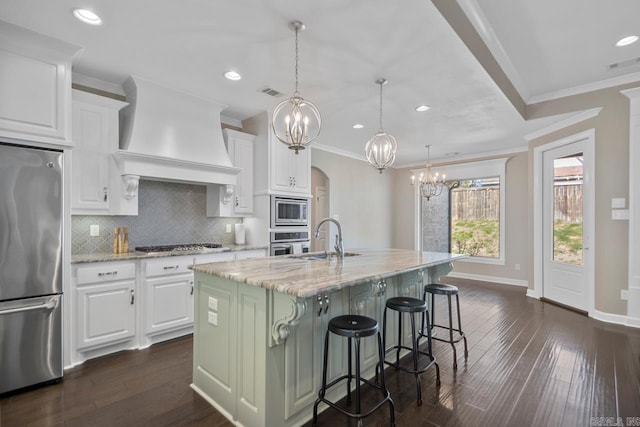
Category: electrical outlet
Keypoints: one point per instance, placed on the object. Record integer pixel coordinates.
(213, 303)
(624, 294)
(228, 228)
(94, 230)
(213, 318)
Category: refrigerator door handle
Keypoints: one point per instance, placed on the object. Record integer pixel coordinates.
(47, 305)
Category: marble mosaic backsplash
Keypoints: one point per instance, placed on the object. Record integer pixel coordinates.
(168, 213)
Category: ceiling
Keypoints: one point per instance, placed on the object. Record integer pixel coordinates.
(545, 47)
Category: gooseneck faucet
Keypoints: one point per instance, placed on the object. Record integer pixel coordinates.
(338, 247)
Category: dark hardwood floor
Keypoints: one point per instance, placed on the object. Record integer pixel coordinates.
(530, 364)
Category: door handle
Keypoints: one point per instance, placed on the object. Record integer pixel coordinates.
(47, 306)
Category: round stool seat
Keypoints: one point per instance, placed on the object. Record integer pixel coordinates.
(407, 304)
(353, 326)
(440, 289)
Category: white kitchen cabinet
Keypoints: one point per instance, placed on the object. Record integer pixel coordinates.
(96, 186)
(104, 304)
(240, 149)
(35, 83)
(278, 170)
(167, 297)
(303, 363)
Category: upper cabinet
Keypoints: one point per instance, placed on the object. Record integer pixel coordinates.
(35, 83)
(230, 201)
(278, 170)
(97, 188)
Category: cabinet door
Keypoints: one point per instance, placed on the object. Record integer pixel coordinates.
(106, 313)
(168, 303)
(301, 171)
(90, 159)
(243, 158)
(281, 174)
(303, 362)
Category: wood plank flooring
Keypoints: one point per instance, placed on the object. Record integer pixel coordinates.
(530, 363)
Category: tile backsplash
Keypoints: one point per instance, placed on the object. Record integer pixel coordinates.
(168, 213)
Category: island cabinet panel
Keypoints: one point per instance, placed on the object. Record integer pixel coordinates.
(229, 360)
(304, 351)
(215, 354)
(368, 299)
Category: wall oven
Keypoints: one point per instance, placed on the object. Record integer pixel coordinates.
(289, 242)
(289, 212)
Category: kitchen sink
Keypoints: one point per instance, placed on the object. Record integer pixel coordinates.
(322, 255)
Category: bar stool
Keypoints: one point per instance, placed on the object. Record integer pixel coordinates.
(411, 306)
(443, 289)
(353, 327)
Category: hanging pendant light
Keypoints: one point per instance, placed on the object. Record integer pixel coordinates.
(430, 185)
(381, 148)
(296, 121)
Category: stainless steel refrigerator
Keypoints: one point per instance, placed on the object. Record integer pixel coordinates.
(30, 266)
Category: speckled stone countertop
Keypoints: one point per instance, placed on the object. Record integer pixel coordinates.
(308, 277)
(103, 257)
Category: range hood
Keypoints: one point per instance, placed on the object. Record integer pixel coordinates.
(170, 135)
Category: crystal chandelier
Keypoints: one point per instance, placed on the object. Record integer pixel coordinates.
(296, 121)
(430, 185)
(381, 148)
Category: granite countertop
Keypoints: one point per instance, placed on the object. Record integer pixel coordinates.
(308, 277)
(103, 257)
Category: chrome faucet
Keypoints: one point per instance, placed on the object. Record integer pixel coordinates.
(338, 247)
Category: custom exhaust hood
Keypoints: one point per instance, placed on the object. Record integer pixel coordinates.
(170, 135)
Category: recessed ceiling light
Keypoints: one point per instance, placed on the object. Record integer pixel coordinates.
(232, 75)
(87, 16)
(422, 107)
(625, 41)
(357, 126)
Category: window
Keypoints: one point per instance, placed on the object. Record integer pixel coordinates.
(474, 218)
(470, 218)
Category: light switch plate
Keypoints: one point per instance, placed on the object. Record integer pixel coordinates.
(213, 303)
(620, 214)
(624, 294)
(94, 230)
(618, 203)
(228, 228)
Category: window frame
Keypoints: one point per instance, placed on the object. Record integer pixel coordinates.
(465, 171)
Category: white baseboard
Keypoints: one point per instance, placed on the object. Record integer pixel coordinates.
(618, 319)
(491, 279)
(532, 293)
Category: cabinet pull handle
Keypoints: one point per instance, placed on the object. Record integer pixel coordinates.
(105, 194)
(133, 296)
(170, 267)
(191, 287)
(320, 302)
(237, 202)
(108, 273)
(326, 303)
(294, 181)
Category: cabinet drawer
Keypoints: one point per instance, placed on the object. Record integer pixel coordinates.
(219, 257)
(105, 272)
(169, 265)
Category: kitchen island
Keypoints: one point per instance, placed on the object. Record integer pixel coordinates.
(260, 323)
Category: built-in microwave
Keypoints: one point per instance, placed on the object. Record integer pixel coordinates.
(288, 212)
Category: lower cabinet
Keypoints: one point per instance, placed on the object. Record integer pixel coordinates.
(134, 304)
(167, 298)
(105, 308)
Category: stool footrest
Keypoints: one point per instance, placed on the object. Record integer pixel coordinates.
(334, 405)
(430, 357)
(459, 338)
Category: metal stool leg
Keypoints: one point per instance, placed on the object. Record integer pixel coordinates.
(324, 379)
(414, 346)
(357, 347)
(453, 346)
(383, 389)
(349, 376)
(464, 337)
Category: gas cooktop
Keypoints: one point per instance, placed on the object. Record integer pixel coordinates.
(188, 247)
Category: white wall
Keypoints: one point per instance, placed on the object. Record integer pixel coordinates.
(361, 197)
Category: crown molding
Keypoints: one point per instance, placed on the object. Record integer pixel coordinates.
(580, 117)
